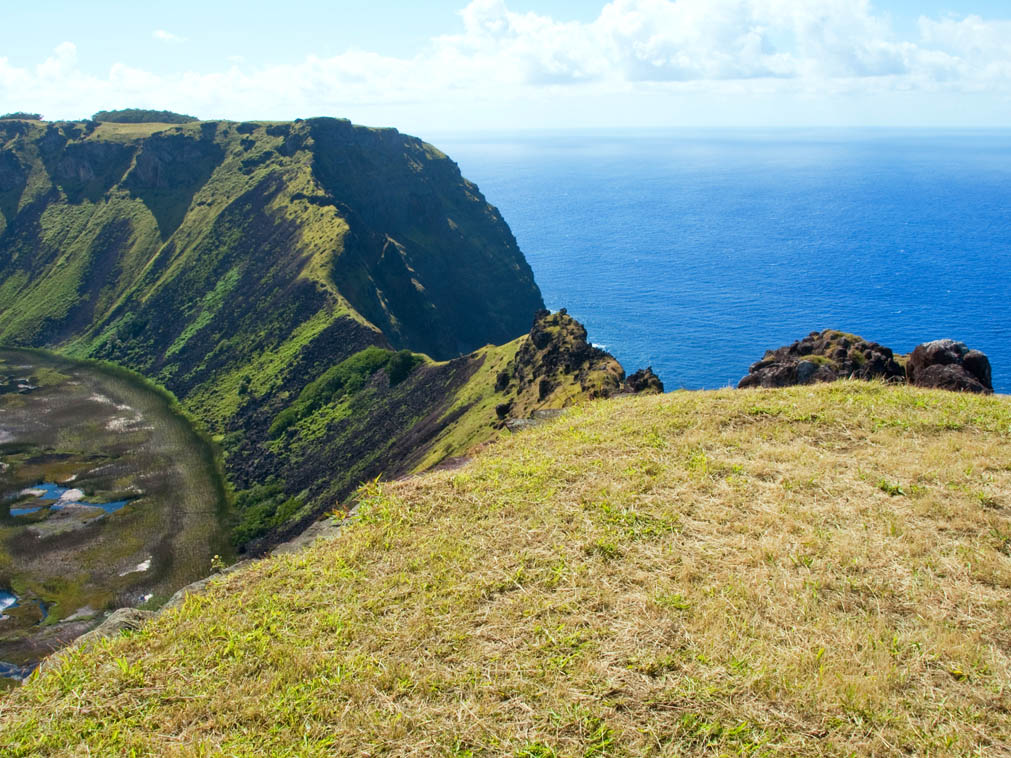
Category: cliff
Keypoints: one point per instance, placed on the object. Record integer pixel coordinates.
(317, 294)
(139, 243)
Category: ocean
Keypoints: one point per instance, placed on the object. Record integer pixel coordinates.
(694, 252)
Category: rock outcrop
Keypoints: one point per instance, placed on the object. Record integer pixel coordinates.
(830, 355)
(824, 357)
(644, 382)
(557, 352)
(949, 365)
(122, 619)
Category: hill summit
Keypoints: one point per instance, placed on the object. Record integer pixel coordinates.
(808, 571)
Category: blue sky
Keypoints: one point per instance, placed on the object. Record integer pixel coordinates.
(508, 64)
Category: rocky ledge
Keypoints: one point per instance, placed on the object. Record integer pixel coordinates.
(830, 355)
(824, 357)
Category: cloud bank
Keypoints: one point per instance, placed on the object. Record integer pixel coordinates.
(633, 49)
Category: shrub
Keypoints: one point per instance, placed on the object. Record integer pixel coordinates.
(401, 364)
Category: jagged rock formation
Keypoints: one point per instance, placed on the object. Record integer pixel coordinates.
(556, 364)
(644, 382)
(823, 357)
(949, 365)
(556, 349)
(830, 355)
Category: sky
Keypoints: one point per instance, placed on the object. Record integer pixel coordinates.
(450, 65)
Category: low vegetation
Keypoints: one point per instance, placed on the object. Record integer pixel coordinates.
(346, 378)
(814, 571)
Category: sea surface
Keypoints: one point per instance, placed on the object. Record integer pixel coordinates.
(695, 252)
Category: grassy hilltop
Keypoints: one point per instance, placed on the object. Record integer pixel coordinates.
(815, 571)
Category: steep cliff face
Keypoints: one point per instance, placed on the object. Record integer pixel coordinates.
(115, 230)
(266, 273)
(442, 270)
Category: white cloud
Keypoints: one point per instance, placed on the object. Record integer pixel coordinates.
(165, 36)
(60, 64)
(971, 48)
(645, 49)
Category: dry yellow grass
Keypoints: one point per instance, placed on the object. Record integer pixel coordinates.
(807, 572)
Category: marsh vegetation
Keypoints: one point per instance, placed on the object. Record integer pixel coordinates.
(108, 498)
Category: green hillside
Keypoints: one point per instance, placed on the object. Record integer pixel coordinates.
(108, 229)
(236, 263)
(814, 571)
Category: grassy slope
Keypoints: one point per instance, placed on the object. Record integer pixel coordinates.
(814, 571)
(390, 428)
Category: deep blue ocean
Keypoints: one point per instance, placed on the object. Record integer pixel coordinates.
(694, 252)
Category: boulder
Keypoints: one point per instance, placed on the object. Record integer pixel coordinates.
(644, 382)
(823, 357)
(949, 365)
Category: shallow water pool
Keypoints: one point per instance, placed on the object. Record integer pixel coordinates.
(63, 496)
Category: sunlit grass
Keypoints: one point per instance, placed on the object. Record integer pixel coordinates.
(806, 572)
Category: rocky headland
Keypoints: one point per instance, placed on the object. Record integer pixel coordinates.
(949, 365)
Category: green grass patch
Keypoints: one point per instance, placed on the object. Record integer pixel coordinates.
(579, 589)
(261, 508)
(346, 378)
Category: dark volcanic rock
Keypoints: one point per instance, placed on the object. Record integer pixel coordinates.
(557, 348)
(823, 357)
(555, 366)
(949, 365)
(644, 381)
